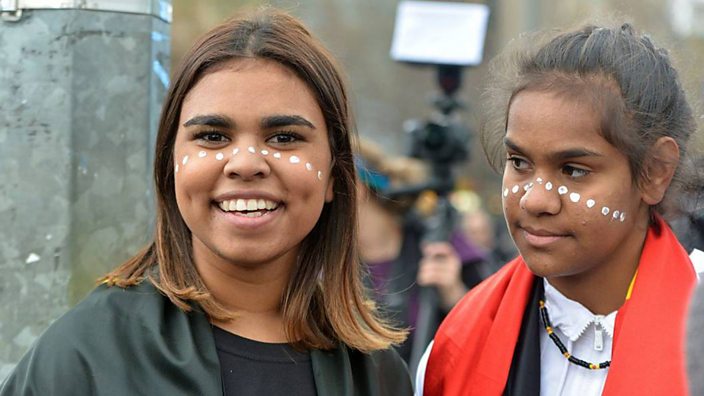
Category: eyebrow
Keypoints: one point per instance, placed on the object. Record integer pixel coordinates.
(212, 120)
(559, 155)
(277, 121)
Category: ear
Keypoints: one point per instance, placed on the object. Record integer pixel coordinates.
(330, 192)
(663, 158)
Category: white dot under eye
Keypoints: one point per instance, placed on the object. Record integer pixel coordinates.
(251, 149)
(548, 186)
(562, 190)
(514, 189)
(265, 152)
(294, 159)
(185, 159)
(506, 193)
(320, 175)
(616, 214)
(219, 156)
(235, 151)
(309, 166)
(202, 154)
(574, 197)
(539, 180)
(605, 211)
(622, 217)
(591, 203)
(176, 168)
(277, 155)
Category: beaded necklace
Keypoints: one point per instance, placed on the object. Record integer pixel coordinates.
(561, 346)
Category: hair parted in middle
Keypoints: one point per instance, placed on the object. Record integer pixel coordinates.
(620, 73)
(325, 301)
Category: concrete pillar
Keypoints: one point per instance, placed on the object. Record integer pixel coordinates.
(80, 96)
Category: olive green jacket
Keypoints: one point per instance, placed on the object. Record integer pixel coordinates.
(134, 341)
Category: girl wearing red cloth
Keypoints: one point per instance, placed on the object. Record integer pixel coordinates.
(590, 129)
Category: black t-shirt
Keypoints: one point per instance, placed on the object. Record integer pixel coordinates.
(251, 367)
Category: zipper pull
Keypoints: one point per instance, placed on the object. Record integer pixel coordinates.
(598, 335)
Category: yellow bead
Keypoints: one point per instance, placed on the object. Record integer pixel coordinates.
(549, 329)
(567, 355)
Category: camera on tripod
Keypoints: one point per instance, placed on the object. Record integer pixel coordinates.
(449, 36)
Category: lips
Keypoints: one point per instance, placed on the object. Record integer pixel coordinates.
(538, 237)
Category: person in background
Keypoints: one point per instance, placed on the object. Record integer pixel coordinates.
(591, 129)
(252, 285)
(695, 343)
(392, 247)
(480, 229)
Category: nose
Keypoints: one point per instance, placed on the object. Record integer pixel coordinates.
(247, 163)
(538, 200)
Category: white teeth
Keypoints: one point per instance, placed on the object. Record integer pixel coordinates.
(241, 205)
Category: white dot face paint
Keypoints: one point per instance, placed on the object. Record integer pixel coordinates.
(251, 149)
(277, 155)
(320, 175)
(605, 211)
(526, 187)
(235, 151)
(591, 203)
(294, 159)
(309, 167)
(219, 156)
(539, 180)
(185, 159)
(562, 190)
(574, 197)
(616, 214)
(265, 152)
(505, 193)
(176, 168)
(548, 186)
(202, 154)
(514, 189)
(622, 217)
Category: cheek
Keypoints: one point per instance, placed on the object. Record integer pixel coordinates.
(195, 173)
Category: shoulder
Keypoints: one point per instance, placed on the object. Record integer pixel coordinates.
(386, 368)
(348, 371)
(86, 350)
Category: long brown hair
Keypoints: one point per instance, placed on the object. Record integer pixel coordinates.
(324, 302)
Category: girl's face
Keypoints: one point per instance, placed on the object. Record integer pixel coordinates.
(252, 164)
(568, 196)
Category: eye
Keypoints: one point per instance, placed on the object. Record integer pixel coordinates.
(574, 172)
(518, 163)
(211, 137)
(284, 138)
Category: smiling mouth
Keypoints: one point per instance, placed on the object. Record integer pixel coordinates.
(248, 207)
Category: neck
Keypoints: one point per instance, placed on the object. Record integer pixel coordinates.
(254, 294)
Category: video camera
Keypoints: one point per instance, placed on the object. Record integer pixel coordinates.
(449, 36)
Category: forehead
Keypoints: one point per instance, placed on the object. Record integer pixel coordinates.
(546, 121)
(250, 85)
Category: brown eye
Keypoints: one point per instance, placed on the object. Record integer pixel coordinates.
(284, 138)
(574, 172)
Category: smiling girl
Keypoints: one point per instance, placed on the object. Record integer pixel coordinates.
(590, 129)
(252, 284)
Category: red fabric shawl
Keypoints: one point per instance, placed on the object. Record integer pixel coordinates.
(474, 346)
